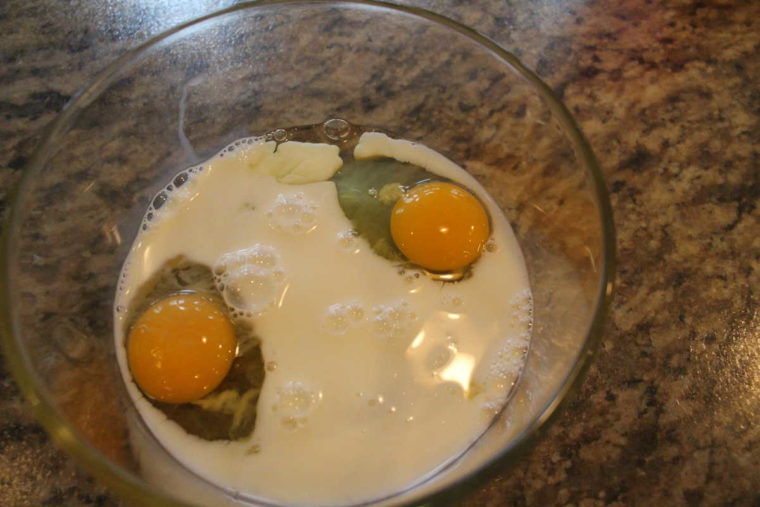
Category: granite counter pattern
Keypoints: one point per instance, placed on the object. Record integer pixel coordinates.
(668, 95)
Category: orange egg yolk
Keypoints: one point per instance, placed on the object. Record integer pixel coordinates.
(181, 348)
(440, 226)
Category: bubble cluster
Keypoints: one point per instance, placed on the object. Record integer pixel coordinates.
(395, 320)
(250, 280)
(293, 213)
(263, 256)
(177, 189)
(294, 402)
(510, 355)
(174, 190)
(122, 285)
(241, 143)
(412, 277)
(342, 316)
(521, 305)
(349, 240)
(509, 359)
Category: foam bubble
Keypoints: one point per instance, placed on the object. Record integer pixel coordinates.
(522, 307)
(508, 359)
(181, 179)
(510, 355)
(263, 256)
(349, 240)
(342, 316)
(159, 208)
(250, 280)
(293, 213)
(250, 289)
(293, 403)
(395, 320)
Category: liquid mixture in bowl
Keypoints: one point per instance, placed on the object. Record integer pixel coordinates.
(304, 324)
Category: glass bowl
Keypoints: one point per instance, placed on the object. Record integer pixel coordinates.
(247, 70)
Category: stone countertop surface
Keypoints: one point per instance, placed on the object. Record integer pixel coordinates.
(668, 94)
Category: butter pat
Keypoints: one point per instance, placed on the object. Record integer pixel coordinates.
(295, 163)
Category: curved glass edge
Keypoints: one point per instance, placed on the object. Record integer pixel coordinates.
(132, 487)
(602, 305)
(124, 483)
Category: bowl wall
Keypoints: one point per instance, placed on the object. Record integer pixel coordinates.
(181, 98)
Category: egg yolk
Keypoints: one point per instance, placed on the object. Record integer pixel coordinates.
(440, 226)
(181, 348)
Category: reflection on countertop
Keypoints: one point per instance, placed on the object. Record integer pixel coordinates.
(668, 97)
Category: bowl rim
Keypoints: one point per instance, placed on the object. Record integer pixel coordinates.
(129, 485)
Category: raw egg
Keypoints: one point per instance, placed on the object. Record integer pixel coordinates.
(181, 348)
(440, 226)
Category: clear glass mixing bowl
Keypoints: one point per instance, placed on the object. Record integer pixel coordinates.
(244, 71)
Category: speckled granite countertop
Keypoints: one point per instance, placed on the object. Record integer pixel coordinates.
(668, 94)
